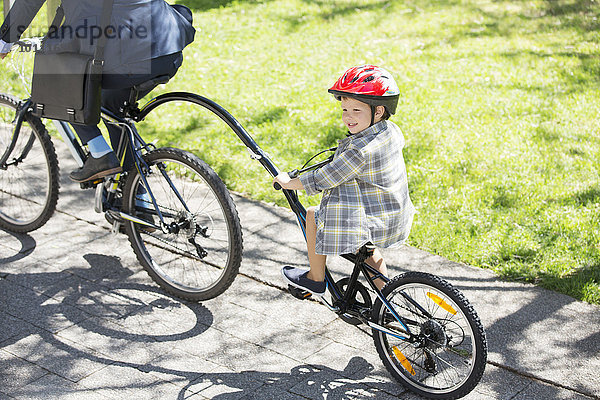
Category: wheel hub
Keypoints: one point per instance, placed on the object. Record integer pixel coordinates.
(433, 334)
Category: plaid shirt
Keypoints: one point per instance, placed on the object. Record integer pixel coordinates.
(365, 192)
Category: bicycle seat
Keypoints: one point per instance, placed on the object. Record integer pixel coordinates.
(366, 250)
(144, 87)
(152, 83)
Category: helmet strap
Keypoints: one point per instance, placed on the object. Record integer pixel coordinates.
(373, 110)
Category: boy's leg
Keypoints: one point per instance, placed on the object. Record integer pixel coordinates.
(376, 261)
(313, 280)
(316, 261)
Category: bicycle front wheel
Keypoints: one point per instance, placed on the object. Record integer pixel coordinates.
(197, 253)
(447, 358)
(28, 171)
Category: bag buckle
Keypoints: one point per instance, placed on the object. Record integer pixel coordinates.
(96, 68)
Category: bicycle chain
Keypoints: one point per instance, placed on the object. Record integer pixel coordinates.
(185, 252)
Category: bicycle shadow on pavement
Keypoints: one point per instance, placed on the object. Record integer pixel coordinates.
(77, 322)
(11, 252)
(101, 308)
(303, 381)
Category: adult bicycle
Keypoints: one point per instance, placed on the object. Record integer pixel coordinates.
(177, 213)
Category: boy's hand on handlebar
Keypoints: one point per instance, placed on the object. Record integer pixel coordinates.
(284, 180)
(2, 55)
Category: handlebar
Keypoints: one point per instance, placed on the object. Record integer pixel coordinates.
(294, 174)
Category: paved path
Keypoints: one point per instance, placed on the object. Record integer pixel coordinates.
(80, 319)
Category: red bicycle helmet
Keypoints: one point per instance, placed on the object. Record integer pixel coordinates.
(370, 84)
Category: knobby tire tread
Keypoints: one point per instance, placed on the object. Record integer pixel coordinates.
(231, 213)
(469, 312)
(52, 160)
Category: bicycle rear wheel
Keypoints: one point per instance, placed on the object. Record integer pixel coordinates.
(448, 358)
(201, 255)
(28, 174)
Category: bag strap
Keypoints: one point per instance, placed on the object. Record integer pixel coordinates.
(57, 21)
(107, 8)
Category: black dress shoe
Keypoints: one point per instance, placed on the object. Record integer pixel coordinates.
(95, 168)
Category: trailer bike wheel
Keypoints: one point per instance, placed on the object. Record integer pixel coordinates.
(447, 357)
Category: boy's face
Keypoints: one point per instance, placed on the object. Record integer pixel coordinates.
(355, 114)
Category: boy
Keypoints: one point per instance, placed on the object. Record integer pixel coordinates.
(365, 186)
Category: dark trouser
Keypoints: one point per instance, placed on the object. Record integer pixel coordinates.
(115, 92)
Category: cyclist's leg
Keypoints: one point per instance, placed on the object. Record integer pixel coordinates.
(91, 136)
(313, 280)
(102, 161)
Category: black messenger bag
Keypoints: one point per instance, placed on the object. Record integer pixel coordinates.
(67, 86)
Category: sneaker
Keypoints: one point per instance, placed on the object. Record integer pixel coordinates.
(297, 278)
(95, 168)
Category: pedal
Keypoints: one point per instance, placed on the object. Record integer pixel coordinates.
(115, 219)
(91, 184)
(116, 227)
(99, 197)
(299, 293)
(112, 216)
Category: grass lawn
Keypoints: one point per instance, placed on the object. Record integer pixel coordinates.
(499, 106)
